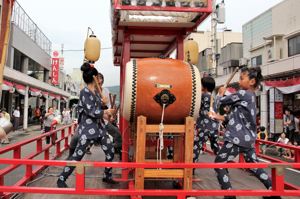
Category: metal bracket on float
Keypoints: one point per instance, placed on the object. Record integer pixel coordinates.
(164, 97)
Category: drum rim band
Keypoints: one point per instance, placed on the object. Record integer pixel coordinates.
(134, 87)
(194, 90)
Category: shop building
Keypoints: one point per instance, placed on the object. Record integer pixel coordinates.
(272, 40)
(225, 40)
(28, 66)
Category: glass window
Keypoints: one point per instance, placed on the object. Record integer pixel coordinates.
(253, 61)
(256, 61)
(294, 46)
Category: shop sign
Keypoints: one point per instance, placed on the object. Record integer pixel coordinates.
(12, 90)
(61, 63)
(271, 94)
(278, 125)
(55, 54)
(272, 111)
(278, 110)
(55, 71)
(272, 126)
(278, 95)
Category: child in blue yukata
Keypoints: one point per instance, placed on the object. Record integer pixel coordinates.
(91, 127)
(241, 133)
(205, 126)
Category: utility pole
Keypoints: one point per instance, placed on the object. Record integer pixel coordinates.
(214, 37)
(62, 50)
(217, 16)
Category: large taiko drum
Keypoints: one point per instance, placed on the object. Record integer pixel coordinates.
(152, 82)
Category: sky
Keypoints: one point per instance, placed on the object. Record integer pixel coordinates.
(67, 21)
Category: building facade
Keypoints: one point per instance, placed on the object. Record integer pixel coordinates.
(272, 40)
(203, 38)
(28, 66)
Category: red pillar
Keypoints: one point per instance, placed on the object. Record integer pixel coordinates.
(180, 47)
(125, 134)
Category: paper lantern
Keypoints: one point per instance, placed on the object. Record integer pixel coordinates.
(191, 51)
(92, 48)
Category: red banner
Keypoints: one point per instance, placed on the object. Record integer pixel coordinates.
(55, 71)
(278, 110)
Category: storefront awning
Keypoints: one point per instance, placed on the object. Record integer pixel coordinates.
(45, 94)
(51, 96)
(64, 99)
(35, 92)
(230, 91)
(285, 86)
(54, 97)
(7, 85)
(20, 89)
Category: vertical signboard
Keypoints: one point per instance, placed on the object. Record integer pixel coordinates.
(272, 111)
(61, 63)
(55, 68)
(278, 111)
(278, 95)
(271, 94)
(55, 71)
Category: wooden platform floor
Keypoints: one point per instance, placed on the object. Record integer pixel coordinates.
(239, 180)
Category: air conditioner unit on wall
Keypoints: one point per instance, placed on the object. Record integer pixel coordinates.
(243, 62)
(270, 54)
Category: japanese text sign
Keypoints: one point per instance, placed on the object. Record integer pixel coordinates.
(55, 71)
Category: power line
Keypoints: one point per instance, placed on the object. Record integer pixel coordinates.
(83, 49)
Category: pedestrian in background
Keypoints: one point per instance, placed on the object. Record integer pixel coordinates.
(16, 115)
(37, 114)
(289, 124)
(48, 120)
(68, 117)
(29, 113)
(5, 114)
(64, 114)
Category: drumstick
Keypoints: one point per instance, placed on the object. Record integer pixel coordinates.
(98, 88)
(111, 101)
(232, 75)
(116, 111)
(114, 100)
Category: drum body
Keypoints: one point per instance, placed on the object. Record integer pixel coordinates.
(145, 78)
(5, 127)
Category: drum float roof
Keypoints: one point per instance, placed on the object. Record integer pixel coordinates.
(153, 30)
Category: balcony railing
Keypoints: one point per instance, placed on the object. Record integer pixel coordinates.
(26, 24)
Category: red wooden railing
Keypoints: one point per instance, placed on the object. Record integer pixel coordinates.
(279, 186)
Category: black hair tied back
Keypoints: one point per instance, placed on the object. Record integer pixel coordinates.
(85, 67)
(88, 72)
(254, 73)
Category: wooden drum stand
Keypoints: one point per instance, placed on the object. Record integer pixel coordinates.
(140, 144)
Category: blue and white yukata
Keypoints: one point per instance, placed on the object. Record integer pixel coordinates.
(91, 129)
(206, 128)
(240, 136)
